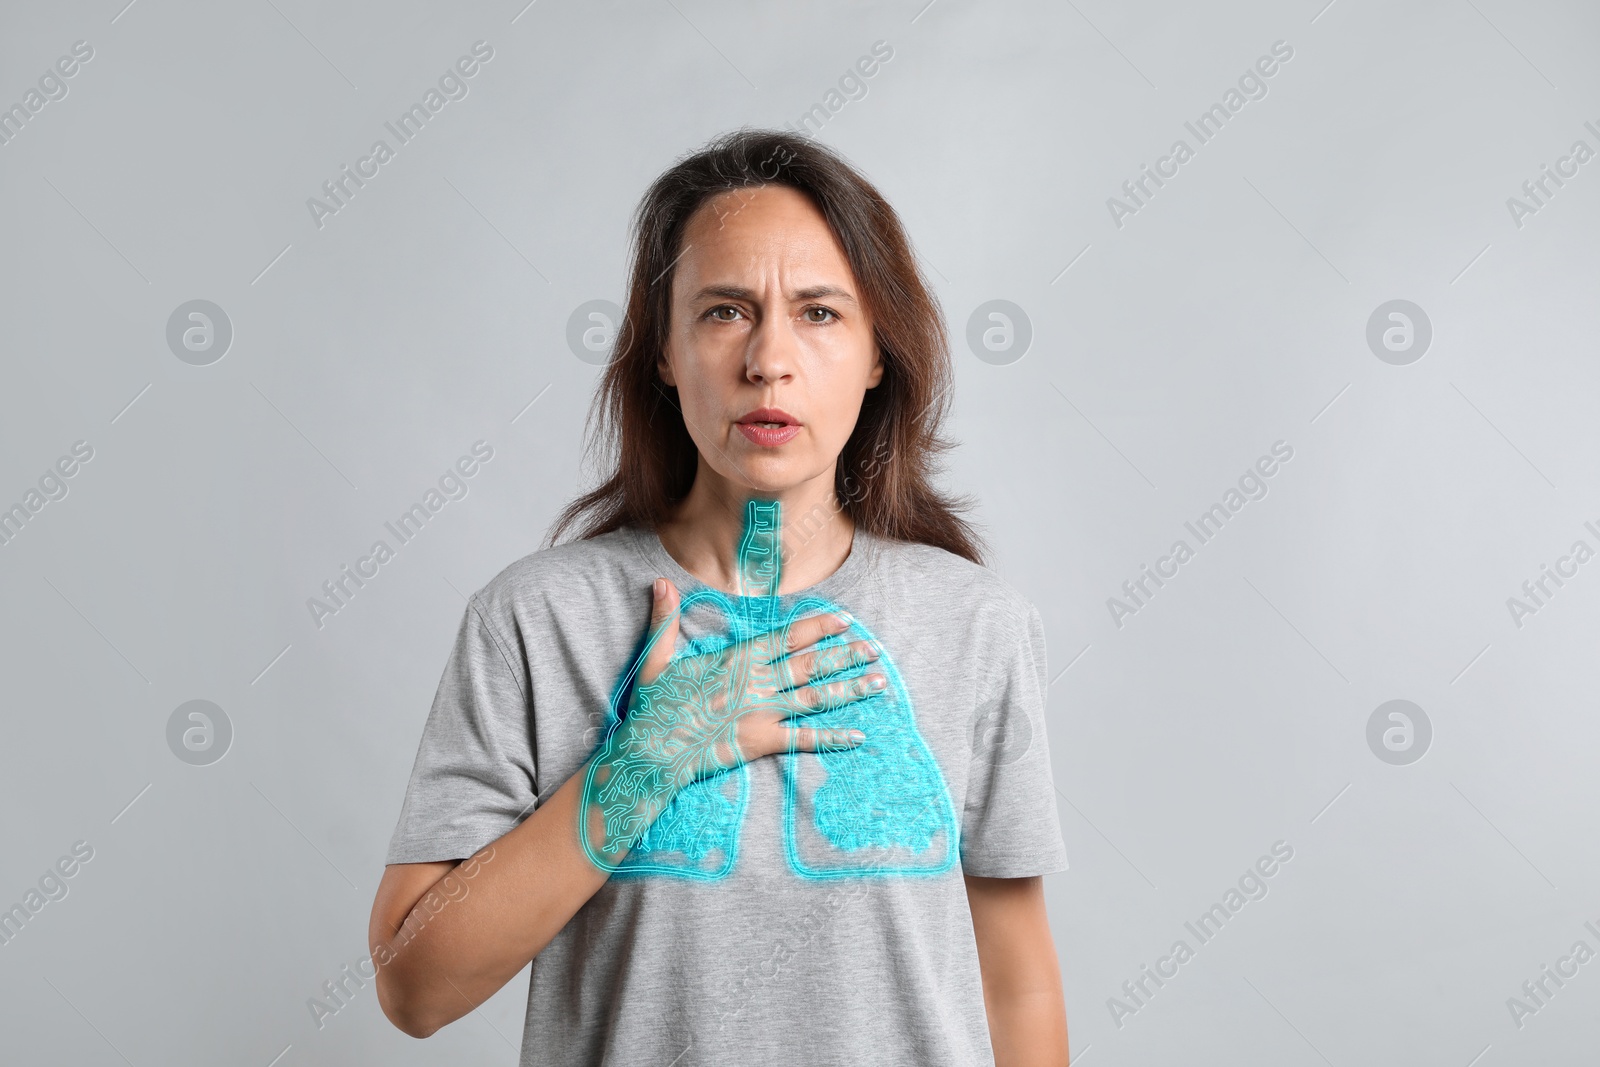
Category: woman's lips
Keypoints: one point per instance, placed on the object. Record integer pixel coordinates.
(769, 427)
(768, 436)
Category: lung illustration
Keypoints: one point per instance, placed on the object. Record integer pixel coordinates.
(881, 808)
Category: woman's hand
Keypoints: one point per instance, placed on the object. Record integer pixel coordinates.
(694, 716)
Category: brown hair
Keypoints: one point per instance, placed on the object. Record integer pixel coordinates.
(883, 479)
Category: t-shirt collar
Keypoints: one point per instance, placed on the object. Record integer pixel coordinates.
(834, 587)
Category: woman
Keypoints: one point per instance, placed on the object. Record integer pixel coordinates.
(780, 732)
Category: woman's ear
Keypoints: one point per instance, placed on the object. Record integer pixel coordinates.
(875, 375)
(664, 367)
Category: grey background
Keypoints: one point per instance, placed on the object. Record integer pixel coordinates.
(1167, 355)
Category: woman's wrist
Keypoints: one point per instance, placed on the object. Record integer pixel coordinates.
(626, 789)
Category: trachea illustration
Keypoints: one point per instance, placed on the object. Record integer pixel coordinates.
(880, 808)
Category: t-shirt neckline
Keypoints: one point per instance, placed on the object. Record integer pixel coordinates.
(833, 587)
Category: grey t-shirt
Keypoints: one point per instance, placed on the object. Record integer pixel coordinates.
(762, 958)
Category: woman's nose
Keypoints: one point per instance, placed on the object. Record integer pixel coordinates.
(770, 354)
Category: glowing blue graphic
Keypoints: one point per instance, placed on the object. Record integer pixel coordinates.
(670, 779)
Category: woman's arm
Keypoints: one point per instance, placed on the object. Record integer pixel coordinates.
(1021, 979)
(445, 936)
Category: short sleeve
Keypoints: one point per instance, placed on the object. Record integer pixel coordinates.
(475, 776)
(1010, 827)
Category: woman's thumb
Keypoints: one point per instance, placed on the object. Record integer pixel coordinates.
(663, 630)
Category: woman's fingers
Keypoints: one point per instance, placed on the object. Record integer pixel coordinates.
(663, 630)
(811, 739)
(766, 735)
(825, 696)
(806, 632)
(764, 729)
(799, 669)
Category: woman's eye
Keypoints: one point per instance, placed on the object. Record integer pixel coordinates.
(817, 315)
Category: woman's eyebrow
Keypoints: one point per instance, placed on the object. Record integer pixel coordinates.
(738, 292)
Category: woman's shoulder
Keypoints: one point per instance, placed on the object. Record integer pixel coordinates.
(586, 570)
(970, 587)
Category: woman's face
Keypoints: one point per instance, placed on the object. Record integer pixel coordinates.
(770, 346)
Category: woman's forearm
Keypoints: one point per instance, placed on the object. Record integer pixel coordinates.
(1028, 1029)
(1022, 992)
(445, 937)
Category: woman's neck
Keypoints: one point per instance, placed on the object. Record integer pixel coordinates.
(705, 531)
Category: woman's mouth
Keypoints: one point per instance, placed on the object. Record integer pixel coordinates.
(769, 427)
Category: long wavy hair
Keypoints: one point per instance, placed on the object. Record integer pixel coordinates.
(884, 476)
